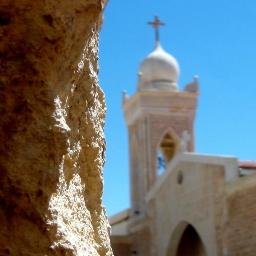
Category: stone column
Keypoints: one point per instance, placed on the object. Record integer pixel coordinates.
(51, 129)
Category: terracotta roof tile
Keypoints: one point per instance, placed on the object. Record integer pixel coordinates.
(248, 164)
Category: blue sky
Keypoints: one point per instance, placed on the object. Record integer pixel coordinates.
(213, 39)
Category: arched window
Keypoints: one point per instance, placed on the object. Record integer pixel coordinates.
(165, 152)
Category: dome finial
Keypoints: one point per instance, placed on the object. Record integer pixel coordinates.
(156, 23)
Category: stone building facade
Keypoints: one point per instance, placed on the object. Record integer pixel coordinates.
(182, 203)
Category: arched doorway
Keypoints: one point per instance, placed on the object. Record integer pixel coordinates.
(190, 243)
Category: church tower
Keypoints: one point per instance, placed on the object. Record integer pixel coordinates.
(160, 120)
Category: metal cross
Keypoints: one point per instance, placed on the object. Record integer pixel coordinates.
(156, 23)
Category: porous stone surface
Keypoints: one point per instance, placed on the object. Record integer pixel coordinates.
(51, 129)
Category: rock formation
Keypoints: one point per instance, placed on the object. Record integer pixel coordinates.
(51, 129)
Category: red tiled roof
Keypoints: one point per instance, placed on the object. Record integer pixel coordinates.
(247, 164)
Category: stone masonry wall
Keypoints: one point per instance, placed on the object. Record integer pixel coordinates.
(52, 114)
(241, 217)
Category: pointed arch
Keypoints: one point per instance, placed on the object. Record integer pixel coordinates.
(166, 149)
(186, 240)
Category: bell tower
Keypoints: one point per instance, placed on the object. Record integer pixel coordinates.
(160, 120)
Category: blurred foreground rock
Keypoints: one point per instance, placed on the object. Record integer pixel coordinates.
(52, 113)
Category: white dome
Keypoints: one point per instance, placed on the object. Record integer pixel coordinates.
(159, 71)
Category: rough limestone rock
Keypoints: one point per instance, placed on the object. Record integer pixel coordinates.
(51, 138)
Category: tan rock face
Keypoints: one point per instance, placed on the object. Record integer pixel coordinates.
(52, 113)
